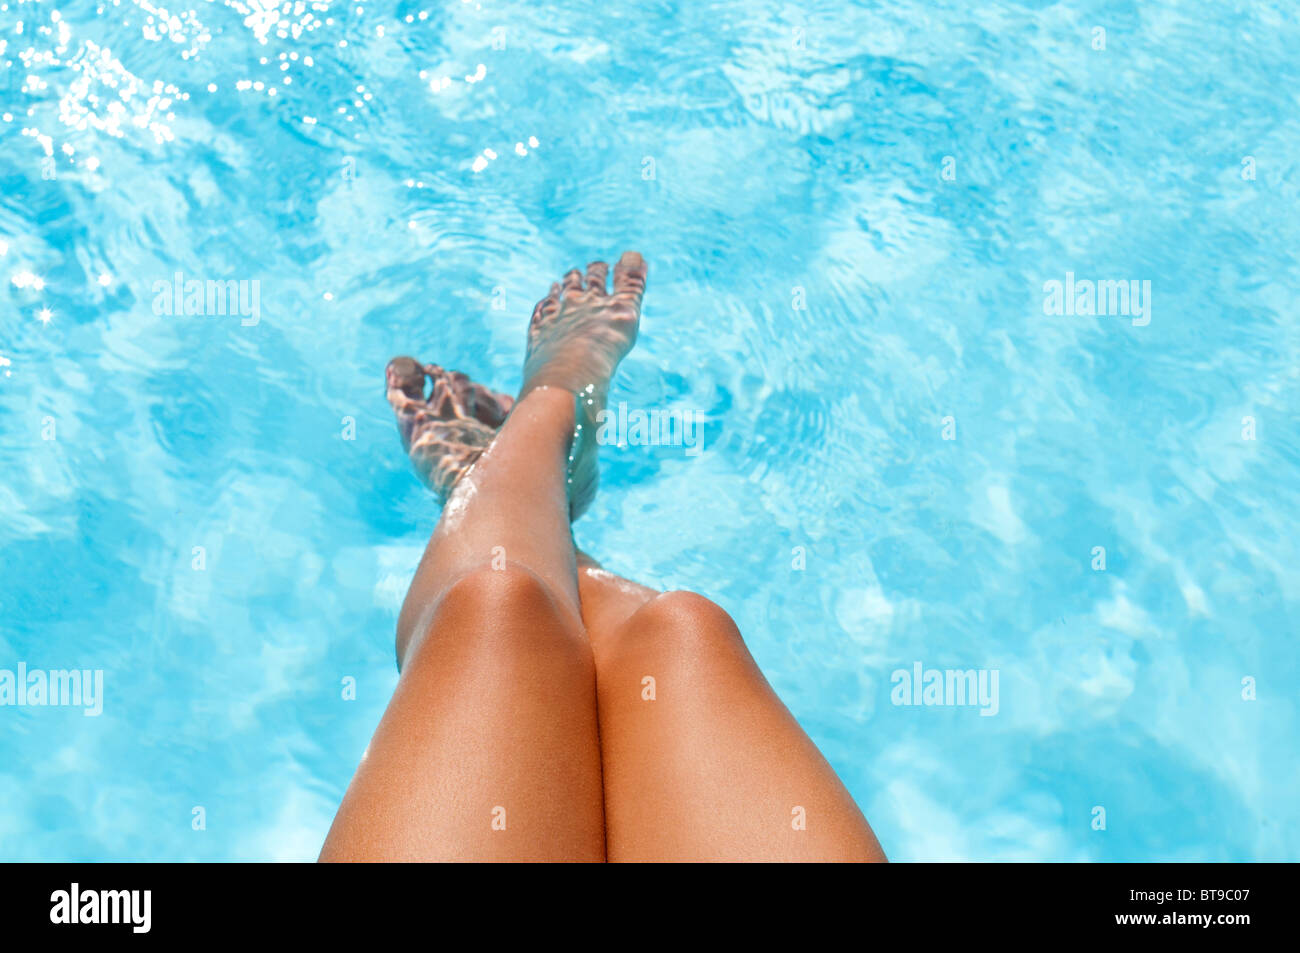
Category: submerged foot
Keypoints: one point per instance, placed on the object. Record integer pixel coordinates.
(580, 331)
(578, 334)
(446, 431)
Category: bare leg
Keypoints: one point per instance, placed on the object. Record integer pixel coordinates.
(713, 766)
(512, 506)
(489, 747)
(515, 502)
(714, 769)
(701, 759)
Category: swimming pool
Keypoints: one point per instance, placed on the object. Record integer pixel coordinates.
(917, 450)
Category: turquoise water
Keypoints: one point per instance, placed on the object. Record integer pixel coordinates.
(850, 211)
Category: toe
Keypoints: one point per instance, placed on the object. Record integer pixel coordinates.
(444, 401)
(462, 389)
(457, 394)
(488, 406)
(547, 306)
(629, 277)
(596, 274)
(572, 281)
(404, 374)
(479, 402)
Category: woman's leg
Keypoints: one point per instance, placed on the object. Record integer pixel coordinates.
(489, 748)
(701, 760)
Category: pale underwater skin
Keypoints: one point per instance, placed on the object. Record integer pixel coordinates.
(851, 211)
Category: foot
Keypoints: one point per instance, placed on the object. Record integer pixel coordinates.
(445, 432)
(577, 336)
(580, 331)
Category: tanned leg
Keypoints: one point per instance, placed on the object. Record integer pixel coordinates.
(702, 761)
(489, 747)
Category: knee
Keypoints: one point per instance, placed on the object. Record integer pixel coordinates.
(512, 590)
(680, 622)
(510, 608)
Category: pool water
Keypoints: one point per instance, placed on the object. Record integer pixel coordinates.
(910, 454)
